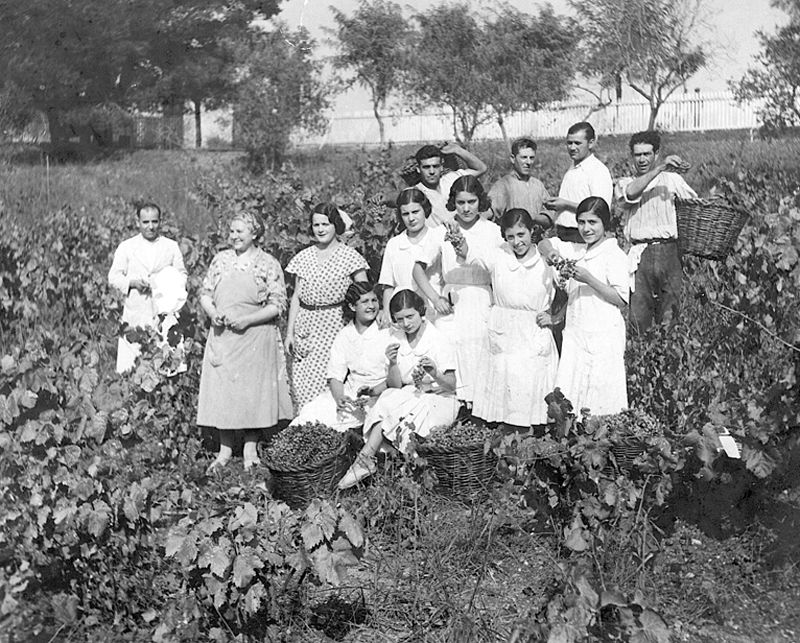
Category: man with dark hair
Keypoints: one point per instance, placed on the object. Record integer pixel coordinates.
(587, 177)
(435, 184)
(518, 188)
(652, 230)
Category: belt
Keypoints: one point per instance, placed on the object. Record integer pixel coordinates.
(648, 241)
(320, 306)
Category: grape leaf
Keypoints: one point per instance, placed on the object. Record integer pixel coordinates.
(331, 565)
(245, 516)
(352, 529)
(312, 535)
(220, 560)
(253, 598)
(244, 567)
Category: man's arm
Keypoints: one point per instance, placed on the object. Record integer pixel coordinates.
(635, 189)
(472, 161)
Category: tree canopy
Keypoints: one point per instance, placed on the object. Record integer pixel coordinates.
(774, 79)
(653, 46)
(372, 44)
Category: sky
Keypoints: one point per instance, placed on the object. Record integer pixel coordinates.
(735, 23)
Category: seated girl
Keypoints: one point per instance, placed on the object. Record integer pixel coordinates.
(421, 380)
(357, 365)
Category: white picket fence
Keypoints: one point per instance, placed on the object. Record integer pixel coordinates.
(682, 113)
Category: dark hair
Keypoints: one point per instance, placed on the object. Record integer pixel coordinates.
(427, 152)
(147, 206)
(332, 212)
(406, 299)
(650, 137)
(584, 127)
(355, 291)
(521, 143)
(597, 206)
(470, 184)
(516, 216)
(411, 195)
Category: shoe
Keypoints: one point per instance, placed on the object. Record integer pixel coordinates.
(218, 464)
(249, 464)
(363, 467)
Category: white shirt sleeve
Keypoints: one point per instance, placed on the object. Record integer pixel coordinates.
(337, 362)
(386, 277)
(118, 274)
(617, 273)
(600, 183)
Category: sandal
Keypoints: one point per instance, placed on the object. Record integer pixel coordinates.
(363, 467)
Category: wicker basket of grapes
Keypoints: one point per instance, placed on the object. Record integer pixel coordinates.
(627, 432)
(458, 456)
(306, 461)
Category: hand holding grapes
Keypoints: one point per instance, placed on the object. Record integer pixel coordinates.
(391, 353)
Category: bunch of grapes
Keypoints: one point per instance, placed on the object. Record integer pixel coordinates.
(456, 239)
(305, 444)
(565, 268)
(631, 422)
(417, 375)
(460, 434)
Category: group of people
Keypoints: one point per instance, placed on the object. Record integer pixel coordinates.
(466, 317)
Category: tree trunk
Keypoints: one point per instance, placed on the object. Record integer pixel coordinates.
(653, 115)
(381, 128)
(198, 132)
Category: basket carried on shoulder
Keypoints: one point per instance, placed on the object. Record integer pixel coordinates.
(460, 470)
(708, 228)
(297, 485)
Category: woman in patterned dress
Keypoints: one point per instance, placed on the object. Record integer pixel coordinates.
(323, 273)
(243, 384)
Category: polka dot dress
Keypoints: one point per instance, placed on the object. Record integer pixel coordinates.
(322, 290)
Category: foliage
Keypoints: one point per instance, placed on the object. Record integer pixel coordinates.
(528, 58)
(280, 93)
(774, 78)
(602, 512)
(653, 45)
(372, 43)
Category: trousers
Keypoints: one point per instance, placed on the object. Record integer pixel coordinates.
(659, 282)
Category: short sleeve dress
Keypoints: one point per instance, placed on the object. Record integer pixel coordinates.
(591, 373)
(244, 383)
(322, 290)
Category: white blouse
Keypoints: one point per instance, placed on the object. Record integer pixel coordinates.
(359, 359)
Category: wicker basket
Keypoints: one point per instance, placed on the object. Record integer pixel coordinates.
(460, 470)
(299, 484)
(708, 228)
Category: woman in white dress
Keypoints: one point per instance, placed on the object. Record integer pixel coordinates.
(357, 365)
(415, 239)
(463, 306)
(591, 373)
(420, 376)
(523, 360)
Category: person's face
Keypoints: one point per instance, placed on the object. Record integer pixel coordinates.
(430, 170)
(408, 320)
(366, 308)
(240, 236)
(523, 161)
(591, 228)
(413, 217)
(519, 238)
(324, 231)
(579, 147)
(467, 207)
(643, 156)
(149, 223)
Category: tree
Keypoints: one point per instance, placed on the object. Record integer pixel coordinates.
(371, 43)
(651, 45)
(775, 77)
(528, 60)
(445, 67)
(192, 52)
(279, 91)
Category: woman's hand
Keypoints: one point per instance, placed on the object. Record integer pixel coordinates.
(581, 274)
(556, 203)
(442, 306)
(391, 353)
(544, 320)
(239, 324)
(429, 365)
(288, 343)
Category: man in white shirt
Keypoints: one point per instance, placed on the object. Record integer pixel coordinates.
(587, 177)
(137, 262)
(435, 184)
(652, 230)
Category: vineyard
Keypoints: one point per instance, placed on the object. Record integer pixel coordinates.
(112, 531)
